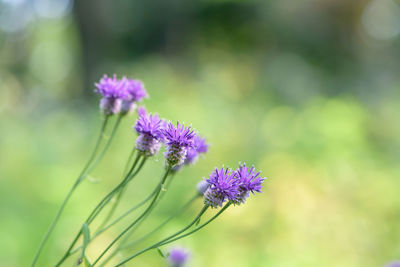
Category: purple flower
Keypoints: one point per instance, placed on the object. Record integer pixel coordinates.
(178, 139)
(223, 186)
(135, 92)
(193, 153)
(394, 264)
(200, 147)
(249, 181)
(113, 92)
(178, 257)
(202, 187)
(149, 127)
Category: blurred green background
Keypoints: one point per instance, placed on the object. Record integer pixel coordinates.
(308, 91)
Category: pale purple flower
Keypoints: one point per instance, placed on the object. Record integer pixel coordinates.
(200, 147)
(193, 153)
(149, 127)
(177, 139)
(223, 186)
(202, 187)
(113, 92)
(135, 92)
(249, 181)
(178, 257)
(393, 264)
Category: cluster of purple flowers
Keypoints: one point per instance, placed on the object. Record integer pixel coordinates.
(182, 144)
(119, 95)
(234, 186)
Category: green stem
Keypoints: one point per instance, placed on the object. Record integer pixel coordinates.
(115, 204)
(177, 213)
(132, 230)
(128, 235)
(102, 203)
(75, 185)
(148, 209)
(126, 213)
(99, 232)
(156, 245)
(107, 145)
(199, 227)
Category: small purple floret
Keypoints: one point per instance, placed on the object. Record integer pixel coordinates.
(249, 181)
(113, 92)
(223, 186)
(178, 257)
(119, 95)
(149, 127)
(193, 153)
(178, 140)
(135, 92)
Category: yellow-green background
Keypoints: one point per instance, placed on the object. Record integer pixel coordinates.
(307, 91)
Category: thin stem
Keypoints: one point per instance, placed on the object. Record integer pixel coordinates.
(199, 227)
(102, 153)
(115, 204)
(126, 213)
(75, 185)
(134, 229)
(203, 210)
(99, 232)
(148, 209)
(103, 202)
(177, 213)
(168, 183)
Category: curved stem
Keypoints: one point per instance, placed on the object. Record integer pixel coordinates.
(168, 183)
(165, 239)
(137, 226)
(126, 213)
(99, 232)
(102, 153)
(148, 209)
(115, 204)
(132, 230)
(75, 185)
(102, 203)
(177, 213)
(199, 227)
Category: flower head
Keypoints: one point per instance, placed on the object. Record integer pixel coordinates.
(113, 92)
(111, 87)
(200, 147)
(135, 92)
(202, 187)
(149, 124)
(249, 181)
(149, 127)
(178, 139)
(223, 186)
(179, 135)
(178, 257)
